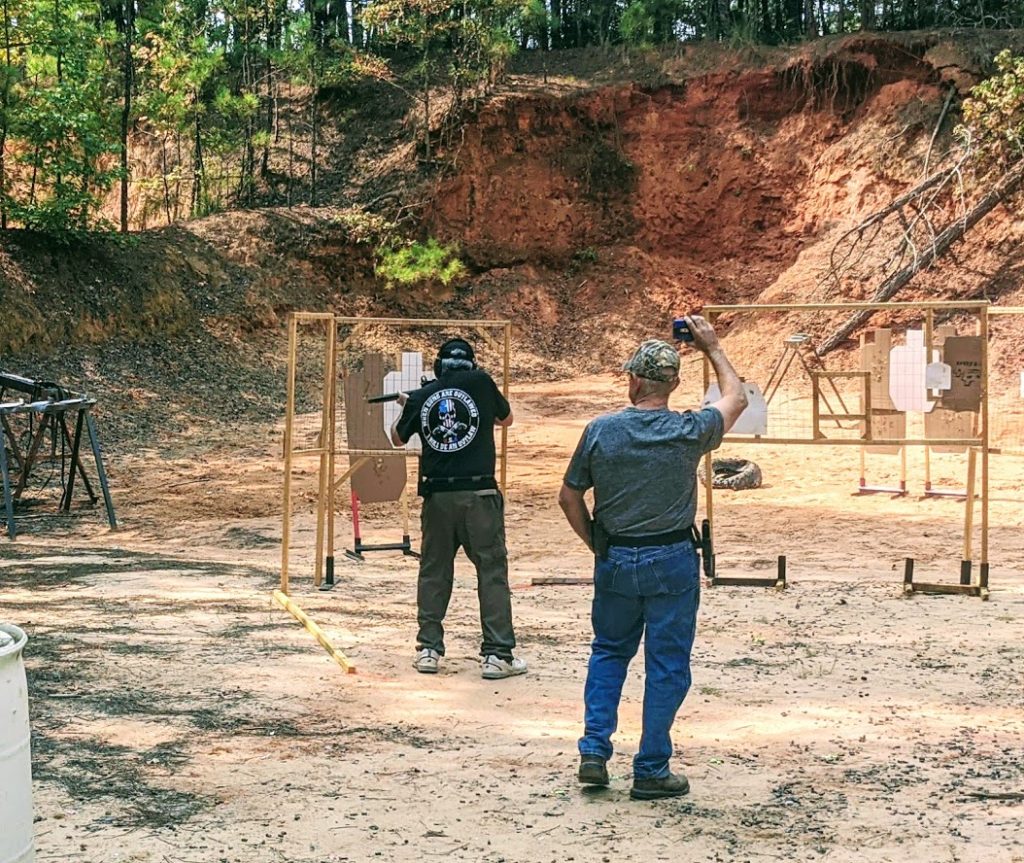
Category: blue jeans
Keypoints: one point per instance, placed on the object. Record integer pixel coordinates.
(636, 591)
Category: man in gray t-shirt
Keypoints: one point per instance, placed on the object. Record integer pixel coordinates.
(641, 463)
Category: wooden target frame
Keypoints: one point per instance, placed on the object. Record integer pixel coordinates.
(324, 447)
(972, 582)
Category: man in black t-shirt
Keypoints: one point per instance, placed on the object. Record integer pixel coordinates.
(455, 416)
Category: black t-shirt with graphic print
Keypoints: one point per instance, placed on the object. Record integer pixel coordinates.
(454, 417)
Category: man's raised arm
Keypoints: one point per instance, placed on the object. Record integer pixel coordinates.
(734, 399)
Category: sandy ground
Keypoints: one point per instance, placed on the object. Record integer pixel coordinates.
(180, 717)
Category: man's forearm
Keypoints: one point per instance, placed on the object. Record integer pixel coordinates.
(395, 439)
(728, 381)
(577, 514)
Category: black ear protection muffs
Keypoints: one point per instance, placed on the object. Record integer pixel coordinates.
(454, 349)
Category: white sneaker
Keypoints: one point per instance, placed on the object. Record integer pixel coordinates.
(426, 661)
(495, 668)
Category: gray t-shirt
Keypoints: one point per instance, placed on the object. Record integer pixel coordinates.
(642, 465)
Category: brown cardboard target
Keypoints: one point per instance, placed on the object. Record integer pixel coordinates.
(383, 477)
(887, 423)
(963, 354)
(943, 422)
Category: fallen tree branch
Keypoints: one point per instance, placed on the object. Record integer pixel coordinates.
(997, 795)
(938, 125)
(1007, 184)
(920, 198)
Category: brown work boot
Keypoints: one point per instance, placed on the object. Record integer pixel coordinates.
(656, 789)
(593, 770)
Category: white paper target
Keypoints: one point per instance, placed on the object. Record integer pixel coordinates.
(754, 420)
(938, 376)
(907, 364)
(402, 382)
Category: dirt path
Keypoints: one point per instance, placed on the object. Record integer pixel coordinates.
(180, 718)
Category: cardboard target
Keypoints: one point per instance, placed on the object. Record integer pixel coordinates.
(943, 422)
(963, 354)
(886, 422)
(383, 478)
(754, 419)
(908, 365)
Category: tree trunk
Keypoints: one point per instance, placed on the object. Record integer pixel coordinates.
(269, 29)
(867, 14)
(315, 122)
(426, 107)
(949, 235)
(163, 169)
(128, 20)
(198, 171)
(4, 99)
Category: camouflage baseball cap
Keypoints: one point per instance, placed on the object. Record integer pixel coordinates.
(655, 360)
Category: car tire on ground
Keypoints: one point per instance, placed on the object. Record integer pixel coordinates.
(737, 474)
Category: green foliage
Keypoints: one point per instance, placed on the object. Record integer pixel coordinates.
(535, 22)
(993, 114)
(420, 264)
(648, 22)
(637, 24)
(57, 106)
(217, 88)
(465, 43)
(584, 256)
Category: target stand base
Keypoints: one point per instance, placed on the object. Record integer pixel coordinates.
(405, 546)
(779, 582)
(966, 587)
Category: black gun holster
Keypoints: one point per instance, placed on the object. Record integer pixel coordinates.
(599, 540)
(707, 549)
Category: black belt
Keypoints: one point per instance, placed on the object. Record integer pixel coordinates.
(669, 538)
(434, 484)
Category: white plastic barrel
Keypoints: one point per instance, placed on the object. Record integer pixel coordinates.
(16, 841)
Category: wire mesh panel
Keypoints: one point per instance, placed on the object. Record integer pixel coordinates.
(914, 378)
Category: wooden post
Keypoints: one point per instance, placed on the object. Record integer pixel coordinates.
(332, 344)
(972, 461)
(289, 419)
(404, 504)
(507, 370)
(709, 503)
(985, 441)
(929, 336)
(815, 409)
(281, 598)
(323, 444)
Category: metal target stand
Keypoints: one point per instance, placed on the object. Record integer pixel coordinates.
(47, 414)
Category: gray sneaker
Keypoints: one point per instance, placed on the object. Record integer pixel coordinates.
(426, 661)
(495, 668)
